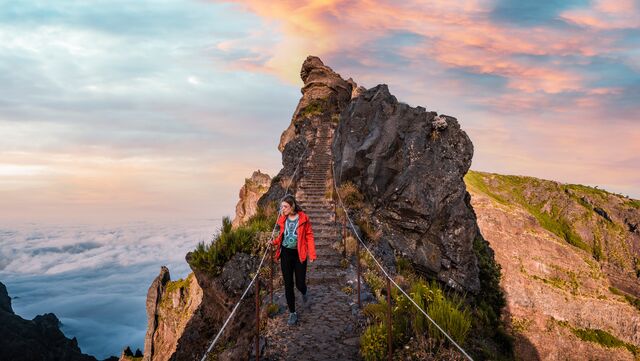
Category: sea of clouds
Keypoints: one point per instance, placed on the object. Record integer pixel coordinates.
(95, 278)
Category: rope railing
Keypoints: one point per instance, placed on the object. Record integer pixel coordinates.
(235, 308)
(389, 278)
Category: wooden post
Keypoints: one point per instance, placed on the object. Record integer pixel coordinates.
(358, 267)
(389, 318)
(257, 318)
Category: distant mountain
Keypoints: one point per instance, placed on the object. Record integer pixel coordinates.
(37, 339)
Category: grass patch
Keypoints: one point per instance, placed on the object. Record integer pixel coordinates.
(475, 180)
(634, 301)
(178, 284)
(314, 108)
(448, 311)
(510, 189)
(228, 241)
(350, 195)
(634, 203)
(603, 338)
(368, 229)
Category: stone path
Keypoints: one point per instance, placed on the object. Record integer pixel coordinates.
(327, 325)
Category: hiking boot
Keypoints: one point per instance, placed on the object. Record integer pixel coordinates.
(305, 297)
(293, 318)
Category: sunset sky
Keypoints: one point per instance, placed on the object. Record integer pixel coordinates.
(127, 110)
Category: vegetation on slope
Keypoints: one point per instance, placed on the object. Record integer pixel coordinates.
(580, 215)
(228, 241)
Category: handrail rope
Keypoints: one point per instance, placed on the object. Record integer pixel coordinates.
(259, 266)
(387, 275)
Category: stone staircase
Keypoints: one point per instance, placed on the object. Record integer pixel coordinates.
(327, 324)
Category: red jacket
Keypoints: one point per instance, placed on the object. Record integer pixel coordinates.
(306, 245)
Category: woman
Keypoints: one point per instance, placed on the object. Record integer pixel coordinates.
(294, 245)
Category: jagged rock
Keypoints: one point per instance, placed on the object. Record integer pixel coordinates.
(153, 300)
(168, 317)
(412, 177)
(38, 339)
(356, 90)
(5, 300)
(324, 95)
(250, 192)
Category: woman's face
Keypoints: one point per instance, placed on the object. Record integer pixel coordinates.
(286, 208)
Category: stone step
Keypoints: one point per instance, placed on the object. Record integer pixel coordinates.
(319, 278)
(314, 192)
(327, 252)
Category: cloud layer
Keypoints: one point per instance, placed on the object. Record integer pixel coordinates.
(95, 278)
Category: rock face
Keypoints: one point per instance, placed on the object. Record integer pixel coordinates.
(409, 164)
(170, 306)
(185, 315)
(38, 339)
(5, 300)
(250, 193)
(552, 286)
(324, 95)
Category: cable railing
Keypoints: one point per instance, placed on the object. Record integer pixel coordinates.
(389, 280)
(235, 308)
(360, 241)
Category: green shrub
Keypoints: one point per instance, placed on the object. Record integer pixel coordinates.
(228, 241)
(272, 309)
(373, 343)
(375, 282)
(450, 314)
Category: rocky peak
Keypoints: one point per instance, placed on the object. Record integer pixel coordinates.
(324, 95)
(250, 192)
(5, 300)
(356, 89)
(37, 339)
(154, 295)
(409, 164)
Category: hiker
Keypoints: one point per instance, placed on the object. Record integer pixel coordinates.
(294, 245)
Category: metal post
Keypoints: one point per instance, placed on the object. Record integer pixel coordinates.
(258, 319)
(358, 267)
(389, 318)
(344, 235)
(271, 274)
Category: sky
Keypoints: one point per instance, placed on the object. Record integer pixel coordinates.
(128, 127)
(121, 110)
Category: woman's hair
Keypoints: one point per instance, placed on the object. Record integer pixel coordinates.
(291, 200)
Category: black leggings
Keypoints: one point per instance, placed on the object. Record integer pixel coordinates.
(290, 264)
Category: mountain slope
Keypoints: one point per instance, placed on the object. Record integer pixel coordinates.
(569, 257)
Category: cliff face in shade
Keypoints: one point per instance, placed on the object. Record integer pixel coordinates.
(569, 257)
(37, 339)
(250, 193)
(409, 164)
